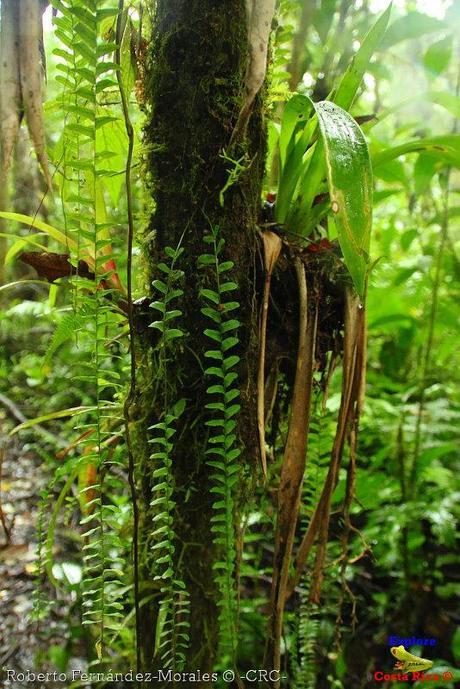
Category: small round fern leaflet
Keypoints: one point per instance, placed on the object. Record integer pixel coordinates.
(171, 639)
(222, 450)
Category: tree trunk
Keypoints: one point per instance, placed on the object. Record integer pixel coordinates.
(193, 91)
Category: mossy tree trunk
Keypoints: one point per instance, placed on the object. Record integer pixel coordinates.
(194, 89)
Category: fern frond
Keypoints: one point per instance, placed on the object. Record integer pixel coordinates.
(172, 629)
(66, 329)
(86, 72)
(319, 448)
(307, 668)
(223, 450)
(41, 602)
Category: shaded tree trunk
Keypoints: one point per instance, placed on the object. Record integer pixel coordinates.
(194, 88)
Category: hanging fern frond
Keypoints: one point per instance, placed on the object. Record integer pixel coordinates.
(223, 450)
(41, 602)
(87, 74)
(66, 329)
(307, 669)
(281, 51)
(319, 449)
(171, 639)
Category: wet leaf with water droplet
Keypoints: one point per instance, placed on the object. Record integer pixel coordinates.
(350, 185)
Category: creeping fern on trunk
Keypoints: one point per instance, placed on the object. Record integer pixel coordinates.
(171, 637)
(223, 450)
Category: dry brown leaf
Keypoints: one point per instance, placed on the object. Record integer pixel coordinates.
(293, 468)
(272, 247)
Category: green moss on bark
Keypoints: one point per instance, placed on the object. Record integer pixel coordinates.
(193, 93)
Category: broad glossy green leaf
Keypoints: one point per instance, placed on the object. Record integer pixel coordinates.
(350, 186)
(302, 217)
(353, 76)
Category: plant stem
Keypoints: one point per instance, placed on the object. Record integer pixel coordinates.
(426, 362)
(131, 393)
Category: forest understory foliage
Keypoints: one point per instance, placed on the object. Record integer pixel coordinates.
(228, 324)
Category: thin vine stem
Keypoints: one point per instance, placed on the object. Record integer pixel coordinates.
(129, 202)
(426, 364)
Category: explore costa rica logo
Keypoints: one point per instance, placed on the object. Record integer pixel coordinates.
(410, 667)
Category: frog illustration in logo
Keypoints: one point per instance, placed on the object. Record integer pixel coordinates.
(409, 662)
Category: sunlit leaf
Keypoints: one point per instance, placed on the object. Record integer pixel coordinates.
(411, 25)
(447, 100)
(53, 232)
(438, 55)
(445, 147)
(353, 76)
(62, 413)
(296, 112)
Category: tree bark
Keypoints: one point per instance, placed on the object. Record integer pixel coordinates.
(193, 91)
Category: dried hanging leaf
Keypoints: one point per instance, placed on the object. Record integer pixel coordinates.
(52, 266)
(272, 247)
(293, 468)
(353, 381)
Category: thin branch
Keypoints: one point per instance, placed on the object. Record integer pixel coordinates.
(11, 407)
(426, 363)
(121, 26)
